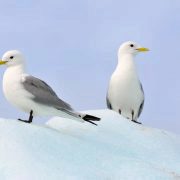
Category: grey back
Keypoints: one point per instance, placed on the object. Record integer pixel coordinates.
(142, 103)
(43, 93)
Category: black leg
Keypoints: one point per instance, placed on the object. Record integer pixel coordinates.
(119, 111)
(136, 122)
(30, 118)
(133, 118)
(132, 112)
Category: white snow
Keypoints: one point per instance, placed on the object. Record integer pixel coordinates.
(68, 150)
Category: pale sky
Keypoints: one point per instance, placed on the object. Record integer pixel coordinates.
(72, 45)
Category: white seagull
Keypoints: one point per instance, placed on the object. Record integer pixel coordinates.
(33, 95)
(125, 93)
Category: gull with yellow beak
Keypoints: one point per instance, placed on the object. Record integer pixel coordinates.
(125, 92)
(33, 95)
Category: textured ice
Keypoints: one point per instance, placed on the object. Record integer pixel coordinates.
(65, 150)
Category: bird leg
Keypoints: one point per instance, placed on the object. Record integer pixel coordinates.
(119, 111)
(133, 118)
(30, 118)
(132, 112)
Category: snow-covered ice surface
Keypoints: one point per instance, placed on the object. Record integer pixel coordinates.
(116, 149)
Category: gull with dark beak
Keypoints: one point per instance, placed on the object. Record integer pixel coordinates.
(33, 95)
(125, 92)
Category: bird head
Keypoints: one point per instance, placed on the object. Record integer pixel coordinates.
(130, 47)
(12, 58)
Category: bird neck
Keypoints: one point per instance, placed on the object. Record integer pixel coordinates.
(17, 70)
(126, 62)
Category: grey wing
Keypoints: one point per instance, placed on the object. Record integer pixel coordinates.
(43, 93)
(108, 102)
(142, 103)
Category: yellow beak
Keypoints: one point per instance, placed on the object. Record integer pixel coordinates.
(2, 62)
(142, 49)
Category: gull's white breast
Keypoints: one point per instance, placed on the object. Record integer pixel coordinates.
(13, 89)
(125, 92)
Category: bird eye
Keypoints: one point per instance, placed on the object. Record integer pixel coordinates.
(131, 45)
(11, 57)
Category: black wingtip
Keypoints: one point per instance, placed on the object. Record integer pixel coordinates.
(88, 117)
(91, 122)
